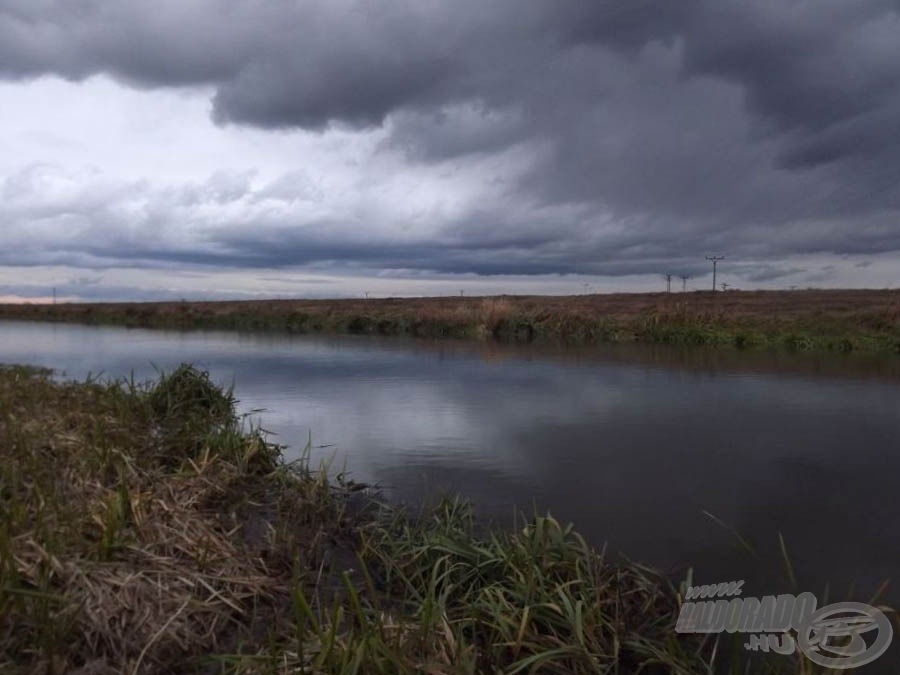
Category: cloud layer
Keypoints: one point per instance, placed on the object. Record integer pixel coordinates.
(503, 138)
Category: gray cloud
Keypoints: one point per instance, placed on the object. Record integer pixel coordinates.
(649, 132)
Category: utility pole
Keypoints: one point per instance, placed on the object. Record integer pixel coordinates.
(668, 283)
(714, 259)
(684, 279)
(54, 295)
(724, 286)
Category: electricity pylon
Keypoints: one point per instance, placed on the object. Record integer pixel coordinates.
(715, 260)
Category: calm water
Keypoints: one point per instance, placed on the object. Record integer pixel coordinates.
(632, 445)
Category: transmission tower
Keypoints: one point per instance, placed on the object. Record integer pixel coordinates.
(714, 259)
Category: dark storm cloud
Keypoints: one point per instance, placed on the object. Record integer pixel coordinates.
(762, 273)
(764, 129)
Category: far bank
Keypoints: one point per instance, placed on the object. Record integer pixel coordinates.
(825, 320)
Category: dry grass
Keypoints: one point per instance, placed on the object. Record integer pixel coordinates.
(124, 536)
(838, 320)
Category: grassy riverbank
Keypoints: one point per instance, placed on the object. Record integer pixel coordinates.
(143, 529)
(834, 320)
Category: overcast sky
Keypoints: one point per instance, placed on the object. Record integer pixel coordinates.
(232, 148)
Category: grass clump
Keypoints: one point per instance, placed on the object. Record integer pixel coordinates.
(188, 398)
(190, 412)
(121, 552)
(535, 600)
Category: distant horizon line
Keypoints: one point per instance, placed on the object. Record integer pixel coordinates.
(68, 300)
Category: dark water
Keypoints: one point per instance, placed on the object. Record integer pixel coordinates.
(632, 445)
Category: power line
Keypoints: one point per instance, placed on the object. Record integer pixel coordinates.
(715, 261)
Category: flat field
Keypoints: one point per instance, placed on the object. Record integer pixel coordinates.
(835, 320)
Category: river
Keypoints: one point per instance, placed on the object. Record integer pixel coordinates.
(678, 459)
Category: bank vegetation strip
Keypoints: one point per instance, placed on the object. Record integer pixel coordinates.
(828, 320)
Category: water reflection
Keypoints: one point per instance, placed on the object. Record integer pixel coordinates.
(632, 444)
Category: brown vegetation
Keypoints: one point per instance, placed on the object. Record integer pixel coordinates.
(837, 320)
